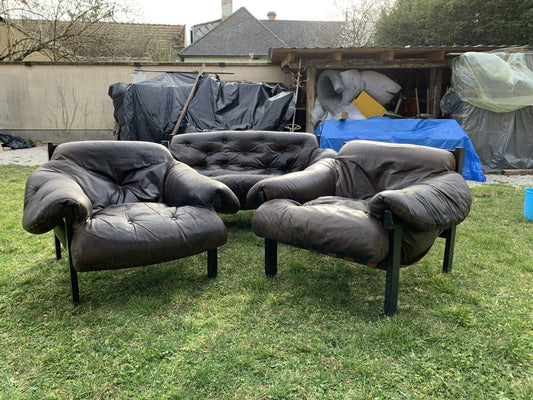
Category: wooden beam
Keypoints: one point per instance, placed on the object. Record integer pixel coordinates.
(436, 55)
(387, 55)
(310, 98)
(352, 63)
(186, 105)
(517, 172)
(288, 59)
(435, 87)
(337, 56)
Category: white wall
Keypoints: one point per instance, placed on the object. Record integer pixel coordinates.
(66, 102)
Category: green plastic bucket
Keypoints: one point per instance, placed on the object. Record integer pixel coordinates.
(528, 204)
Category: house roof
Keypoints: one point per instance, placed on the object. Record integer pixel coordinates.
(241, 34)
(298, 34)
(110, 40)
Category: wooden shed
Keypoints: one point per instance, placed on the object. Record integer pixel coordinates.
(423, 72)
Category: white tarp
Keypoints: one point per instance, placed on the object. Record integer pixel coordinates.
(499, 82)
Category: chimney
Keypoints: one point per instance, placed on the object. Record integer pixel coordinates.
(271, 15)
(227, 8)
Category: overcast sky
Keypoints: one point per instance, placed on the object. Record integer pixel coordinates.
(191, 12)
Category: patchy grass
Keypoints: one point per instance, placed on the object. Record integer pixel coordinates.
(315, 331)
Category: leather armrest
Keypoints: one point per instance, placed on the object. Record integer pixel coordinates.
(321, 154)
(185, 186)
(314, 181)
(51, 196)
(434, 204)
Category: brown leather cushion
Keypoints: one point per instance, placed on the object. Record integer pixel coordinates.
(332, 225)
(338, 225)
(133, 234)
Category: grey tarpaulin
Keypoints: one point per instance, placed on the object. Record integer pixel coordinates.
(149, 110)
(502, 140)
(14, 141)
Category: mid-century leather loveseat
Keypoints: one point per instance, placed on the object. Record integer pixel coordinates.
(240, 159)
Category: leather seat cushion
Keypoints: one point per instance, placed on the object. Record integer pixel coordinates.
(134, 234)
(328, 224)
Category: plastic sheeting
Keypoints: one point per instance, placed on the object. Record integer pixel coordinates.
(498, 82)
(14, 142)
(336, 90)
(502, 140)
(149, 110)
(440, 133)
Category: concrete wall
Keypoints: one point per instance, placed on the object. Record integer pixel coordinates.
(68, 102)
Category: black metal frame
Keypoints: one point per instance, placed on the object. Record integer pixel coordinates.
(392, 263)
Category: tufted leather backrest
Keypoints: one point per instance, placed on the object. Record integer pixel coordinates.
(365, 167)
(113, 172)
(254, 152)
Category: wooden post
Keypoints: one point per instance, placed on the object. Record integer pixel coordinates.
(187, 102)
(310, 98)
(435, 88)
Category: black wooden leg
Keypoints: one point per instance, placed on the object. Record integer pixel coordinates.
(74, 287)
(74, 283)
(212, 263)
(393, 272)
(58, 247)
(271, 257)
(449, 234)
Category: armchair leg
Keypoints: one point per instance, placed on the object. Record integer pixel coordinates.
(271, 257)
(212, 263)
(57, 243)
(449, 234)
(74, 287)
(393, 271)
(74, 283)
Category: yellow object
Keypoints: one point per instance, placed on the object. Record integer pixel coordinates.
(368, 106)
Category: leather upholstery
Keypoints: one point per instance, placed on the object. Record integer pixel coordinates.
(129, 204)
(240, 159)
(337, 205)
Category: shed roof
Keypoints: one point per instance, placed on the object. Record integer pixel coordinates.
(391, 55)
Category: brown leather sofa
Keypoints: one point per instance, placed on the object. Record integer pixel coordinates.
(240, 159)
(118, 204)
(378, 204)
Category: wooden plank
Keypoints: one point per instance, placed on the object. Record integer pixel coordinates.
(436, 55)
(346, 63)
(337, 56)
(288, 59)
(187, 102)
(310, 98)
(434, 95)
(342, 116)
(517, 172)
(387, 55)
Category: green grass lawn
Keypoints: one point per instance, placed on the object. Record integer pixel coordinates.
(315, 331)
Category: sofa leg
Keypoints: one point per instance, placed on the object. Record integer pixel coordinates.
(393, 271)
(212, 263)
(271, 257)
(449, 235)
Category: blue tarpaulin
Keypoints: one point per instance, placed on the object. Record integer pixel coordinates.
(441, 133)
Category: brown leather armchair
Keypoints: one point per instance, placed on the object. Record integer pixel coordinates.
(119, 204)
(378, 204)
(240, 159)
